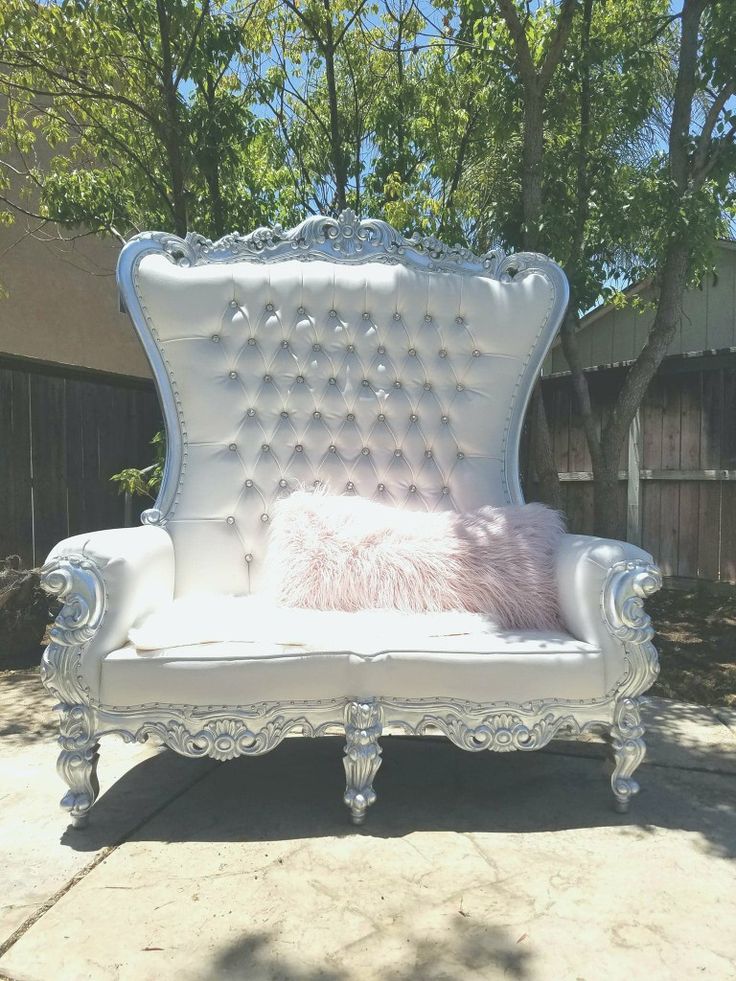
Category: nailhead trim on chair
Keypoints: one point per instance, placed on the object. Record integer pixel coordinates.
(424, 473)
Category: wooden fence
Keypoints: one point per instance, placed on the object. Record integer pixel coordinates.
(678, 473)
(63, 432)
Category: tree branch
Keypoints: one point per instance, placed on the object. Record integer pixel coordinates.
(685, 87)
(186, 59)
(557, 42)
(704, 143)
(525, 62)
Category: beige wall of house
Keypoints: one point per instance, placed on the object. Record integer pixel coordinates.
(61, 302)
(708, 322)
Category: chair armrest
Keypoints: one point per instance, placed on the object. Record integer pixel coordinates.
(602, 585)
(107, 581)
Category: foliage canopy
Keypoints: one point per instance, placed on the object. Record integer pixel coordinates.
(602, 133)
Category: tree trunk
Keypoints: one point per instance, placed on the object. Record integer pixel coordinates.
(581, 390)
(211, 168)
(217, 208)
(605, 500)
(531, 165)
(606, 450)
(535, 81)
(641, 373)
(531, 192)
(606, 517)
(172, 129)
(339, 163)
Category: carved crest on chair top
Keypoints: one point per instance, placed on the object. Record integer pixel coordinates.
(345, 239)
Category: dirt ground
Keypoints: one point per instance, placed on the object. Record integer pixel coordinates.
(696, 639)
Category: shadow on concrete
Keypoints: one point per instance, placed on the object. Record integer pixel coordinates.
(678, 735)
(423, 785)
(26, 709)
(473, 947)
(688, 736)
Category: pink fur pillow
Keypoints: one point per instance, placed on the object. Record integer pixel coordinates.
(348, 553)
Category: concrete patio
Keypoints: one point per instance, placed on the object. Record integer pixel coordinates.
(470, 865)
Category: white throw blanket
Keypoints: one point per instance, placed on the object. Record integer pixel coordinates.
(207, 619)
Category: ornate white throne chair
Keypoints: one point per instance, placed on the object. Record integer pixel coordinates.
(391, 368)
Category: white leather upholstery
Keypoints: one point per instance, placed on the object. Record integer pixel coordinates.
(583, 562)
(381, 380)
(504, 666)
(137, 568)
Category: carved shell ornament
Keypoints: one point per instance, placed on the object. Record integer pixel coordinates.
(220, 739)
(502, 732)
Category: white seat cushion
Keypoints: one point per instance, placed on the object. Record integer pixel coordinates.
(225, 650)
(488, 665)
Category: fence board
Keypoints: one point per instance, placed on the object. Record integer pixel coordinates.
(113, 453)
(651, 427)
(90, 436)
(689, 496)
(669, 524)
(622, 511)
(48, 452)
(690, 420)
(651, 504)
(560, 428)
(580, 507)
(710, 511)
(688, 528)
(79, 488)
(728, 532)
(579, 452)
(711, 415)
(728, 428)
(16, 529)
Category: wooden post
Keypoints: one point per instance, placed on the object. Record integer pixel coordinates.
(633, 483)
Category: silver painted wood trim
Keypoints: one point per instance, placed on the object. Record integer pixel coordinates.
(227, 731)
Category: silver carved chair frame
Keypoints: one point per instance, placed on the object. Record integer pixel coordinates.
(602, 585)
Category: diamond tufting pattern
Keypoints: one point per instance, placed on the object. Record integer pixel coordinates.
(374, 379)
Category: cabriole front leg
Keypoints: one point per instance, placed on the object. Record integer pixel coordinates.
(77, 762)
(363, 726)
(628, 584)
(628, 748)
(78, 584)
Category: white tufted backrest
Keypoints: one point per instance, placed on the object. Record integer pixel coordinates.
(404, 381)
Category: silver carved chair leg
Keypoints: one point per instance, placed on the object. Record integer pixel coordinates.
(77, 763)
(363, 726)
(628, 750)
